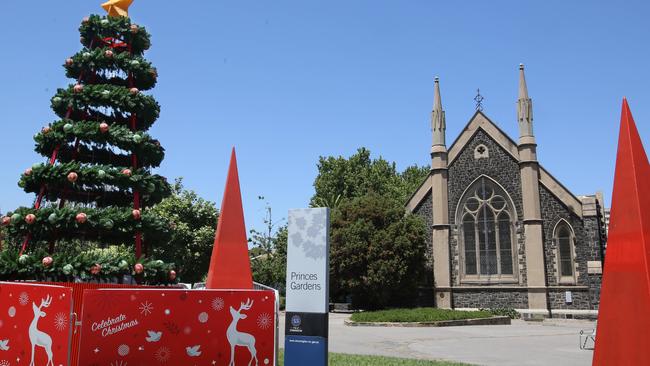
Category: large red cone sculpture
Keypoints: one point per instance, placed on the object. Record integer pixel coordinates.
(230, 266)
(623, 334)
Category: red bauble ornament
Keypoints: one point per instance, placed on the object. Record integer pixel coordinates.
(137, 214)
(172, 275)
(72, 177)
(46, 130)
(81, 217)
(95, 269)
(30, 219)
(108, 53)
(78, 88)
(134, 28)
(138, 268)
(126, 172)
(134, 91)
(28, 172)
(103, 127)
(68, 62)
(6, 220)
(47, 261)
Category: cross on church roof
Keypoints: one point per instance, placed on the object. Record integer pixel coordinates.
(478, 99)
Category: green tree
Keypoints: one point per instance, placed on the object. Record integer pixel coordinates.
(377, 253)
(269, 252)
(270, 266)
(193, 221)
(340, 179)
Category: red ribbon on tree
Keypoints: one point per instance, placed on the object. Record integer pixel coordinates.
(114, 42)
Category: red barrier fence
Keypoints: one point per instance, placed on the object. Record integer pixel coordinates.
(135, 325)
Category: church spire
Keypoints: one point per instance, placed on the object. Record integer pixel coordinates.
(524, 107)
(438, 117)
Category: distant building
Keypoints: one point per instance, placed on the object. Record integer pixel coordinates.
(607, 221)
(503, 231)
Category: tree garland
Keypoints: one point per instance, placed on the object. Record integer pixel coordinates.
(122, 100)
(94, 155)
(149, 151)
(76, 177)
(87, 61)
(100, 265)
(98, 27)
(111, 225)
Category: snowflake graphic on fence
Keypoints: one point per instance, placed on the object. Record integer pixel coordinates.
(4, 363)
(163, 354)
(60, 322)
(218, 304)
(146, 308)
(23, 299)
(264, 321)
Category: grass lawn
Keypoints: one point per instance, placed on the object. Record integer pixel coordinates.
(340, 359)
(418, 315)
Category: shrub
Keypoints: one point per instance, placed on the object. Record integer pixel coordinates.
(377, 253)
(418, 315)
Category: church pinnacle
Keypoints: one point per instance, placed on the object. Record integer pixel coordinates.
(524, 106)
(438, 117)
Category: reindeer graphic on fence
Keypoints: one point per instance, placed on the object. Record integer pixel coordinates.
(37, 337)
(237, 338)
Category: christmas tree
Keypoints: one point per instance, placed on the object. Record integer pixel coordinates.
(96, 184)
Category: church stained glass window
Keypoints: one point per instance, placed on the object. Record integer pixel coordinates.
(487, 232)
(563, 240)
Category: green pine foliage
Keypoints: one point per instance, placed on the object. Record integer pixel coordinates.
(75, 261)
(101, 138)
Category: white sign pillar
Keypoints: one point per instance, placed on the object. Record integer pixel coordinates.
(307, 303)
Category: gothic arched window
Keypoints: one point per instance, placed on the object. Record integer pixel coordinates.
(486, 222)
(563, 237)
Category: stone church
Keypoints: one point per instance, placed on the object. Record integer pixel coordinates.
(504, 233)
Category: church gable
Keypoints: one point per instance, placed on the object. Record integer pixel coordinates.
(481, 155)
(480, 122)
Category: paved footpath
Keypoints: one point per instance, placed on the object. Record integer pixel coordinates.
(552, 342)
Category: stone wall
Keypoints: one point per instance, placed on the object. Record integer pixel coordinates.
(501, 167)
(580, 299)
(490, 298)
(586, 248)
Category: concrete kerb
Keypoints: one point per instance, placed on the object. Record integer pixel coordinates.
(495, 320)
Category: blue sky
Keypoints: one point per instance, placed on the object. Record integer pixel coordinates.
(288, 81)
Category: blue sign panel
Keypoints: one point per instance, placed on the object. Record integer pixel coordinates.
(305, 350)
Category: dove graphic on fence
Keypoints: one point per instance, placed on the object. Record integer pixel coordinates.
(4, 345)
(153, 336)
(193, 351)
